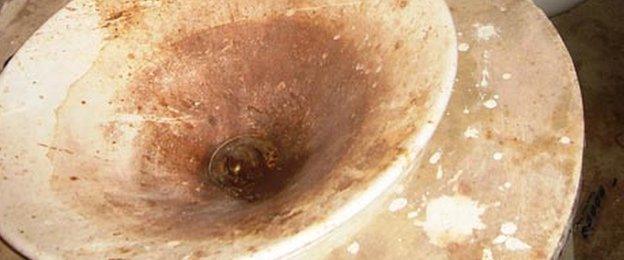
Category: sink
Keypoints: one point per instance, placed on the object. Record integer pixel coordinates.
(113, 116)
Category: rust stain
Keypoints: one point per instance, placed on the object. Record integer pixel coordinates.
(119, 17)
(402, 3)
(286, 79)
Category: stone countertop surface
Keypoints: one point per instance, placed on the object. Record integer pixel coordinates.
(500, 177)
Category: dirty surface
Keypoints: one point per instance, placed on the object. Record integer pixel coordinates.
(285, 79)
(511, 138)
(499, 179)
(133, 135)
(490, 130)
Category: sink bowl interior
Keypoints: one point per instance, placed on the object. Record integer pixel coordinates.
(347, 92)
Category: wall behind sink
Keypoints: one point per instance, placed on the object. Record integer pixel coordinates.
(554, 7)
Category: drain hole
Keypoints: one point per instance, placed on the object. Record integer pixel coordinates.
(247, 167)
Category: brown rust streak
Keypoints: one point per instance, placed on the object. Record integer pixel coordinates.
(119, 17)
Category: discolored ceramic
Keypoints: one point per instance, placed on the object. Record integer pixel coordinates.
(111, 112)
(504, 161)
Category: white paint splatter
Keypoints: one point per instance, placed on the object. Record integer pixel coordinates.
(174, 243)
(506, 76)
(397, 204)
(466, 111)
(507, 185)
(455, 177)
(290, 12)
(487, 254)
(353, 248)
(337, 37)
(486, 56)
(435, 157)
(463, 47)
(515, 244)
(499, 239)
(439, 173)
(485, 77)
(452, 219)
(471, 132)
(508, 228)
(490, 104)
(413, 214)
(497, 156)
(485, 31)
(496, 96)
(511, 243)
(565, 140)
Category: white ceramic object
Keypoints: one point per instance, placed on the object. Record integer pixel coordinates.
(97, 164)
(554, 7)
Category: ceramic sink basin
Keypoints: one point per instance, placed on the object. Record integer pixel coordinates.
(111, 113)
